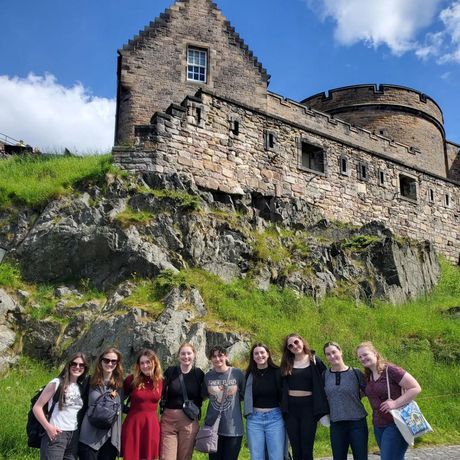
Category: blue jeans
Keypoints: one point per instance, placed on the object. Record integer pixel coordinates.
(266, 430)
(392, 444)
(348, 433)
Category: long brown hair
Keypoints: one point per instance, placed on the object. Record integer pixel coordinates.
(156, 376)
(64, 376)
(252, 366)
(381, 361)
(116, 379)
(287, 358)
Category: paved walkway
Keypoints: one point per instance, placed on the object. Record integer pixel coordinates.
(425, 453)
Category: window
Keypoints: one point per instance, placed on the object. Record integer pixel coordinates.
(431, 195)
(363, 171)
(447, 200)
(343, 162)
(197, 63)
(312, 157)
(382, 178)
(269, 140)
(408, 187)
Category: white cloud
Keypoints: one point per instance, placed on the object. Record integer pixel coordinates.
(50, 116)
(451, 20)
(394, 23)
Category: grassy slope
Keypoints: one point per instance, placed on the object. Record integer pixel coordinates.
(417, 336)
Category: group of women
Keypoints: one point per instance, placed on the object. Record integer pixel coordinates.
(278, 400)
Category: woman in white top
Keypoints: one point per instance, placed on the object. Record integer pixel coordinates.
(60, 440)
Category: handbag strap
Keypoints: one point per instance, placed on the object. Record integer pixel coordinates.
(182, 384)
(224, 394)
(388, 382)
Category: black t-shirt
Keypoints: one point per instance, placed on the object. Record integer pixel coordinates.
(266, 392)
(193, 381)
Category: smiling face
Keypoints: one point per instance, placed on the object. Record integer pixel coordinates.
(295, 345)
(109, 362)
(186, 356)
(367, 357)
(333, 355)
(260, 356)
(219, 361)
(146, 366)
(76, 368)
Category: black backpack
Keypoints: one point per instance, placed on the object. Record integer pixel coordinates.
(105, 410)
(34, 428)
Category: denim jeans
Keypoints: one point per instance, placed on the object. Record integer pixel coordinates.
(348, 433)
(265, 430)
(392, 444)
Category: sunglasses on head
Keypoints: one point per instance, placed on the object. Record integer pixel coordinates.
(77, 365)
(108, 361)
(294, 343)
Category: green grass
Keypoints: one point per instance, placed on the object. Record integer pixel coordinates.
(418, 336)
(129, 217)
(34, 180)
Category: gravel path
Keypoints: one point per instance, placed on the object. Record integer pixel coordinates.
(425, 453)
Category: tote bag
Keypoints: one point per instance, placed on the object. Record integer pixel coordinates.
(409, 419)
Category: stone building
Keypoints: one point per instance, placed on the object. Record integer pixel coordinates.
(193, 99)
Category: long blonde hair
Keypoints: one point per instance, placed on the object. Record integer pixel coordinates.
(381, 361)
(156, 375)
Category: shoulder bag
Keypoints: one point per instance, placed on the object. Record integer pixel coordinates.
(409, 419)
(191, 410)
(207, 437)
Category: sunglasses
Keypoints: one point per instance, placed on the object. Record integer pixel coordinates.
(77, 365)
(108, 361)
(293, 344)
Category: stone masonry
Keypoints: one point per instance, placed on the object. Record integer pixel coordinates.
(396, 167)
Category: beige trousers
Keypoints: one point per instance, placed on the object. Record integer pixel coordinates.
(178, 434)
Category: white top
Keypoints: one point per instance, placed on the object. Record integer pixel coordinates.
(66, 419)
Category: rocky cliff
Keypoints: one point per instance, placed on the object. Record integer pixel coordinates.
(109, 236)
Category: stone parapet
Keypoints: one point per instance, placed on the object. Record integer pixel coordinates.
(266, 155)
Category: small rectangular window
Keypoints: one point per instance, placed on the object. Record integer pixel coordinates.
(363, 171)
(431, 195)
(408, 187)
(313, 157)
(269, 140)
(382, 178)
(447, 199)
(197, 63)
(343, 161)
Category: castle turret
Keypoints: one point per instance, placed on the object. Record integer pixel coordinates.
(399, 113)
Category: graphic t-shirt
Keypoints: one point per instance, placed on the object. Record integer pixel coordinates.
(231, 422)
(66, 419)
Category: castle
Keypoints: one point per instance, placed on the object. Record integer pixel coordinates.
(193, 99)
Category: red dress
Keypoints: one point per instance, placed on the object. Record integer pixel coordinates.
(140, 434)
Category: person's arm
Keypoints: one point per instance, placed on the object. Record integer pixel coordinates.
(411, 389)
(45, 397)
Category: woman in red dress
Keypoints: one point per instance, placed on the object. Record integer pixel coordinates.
(140, 436)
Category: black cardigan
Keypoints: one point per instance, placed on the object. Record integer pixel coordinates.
(320, 404)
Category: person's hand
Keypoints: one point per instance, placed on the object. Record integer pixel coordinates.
(53, 432)
(387, 405)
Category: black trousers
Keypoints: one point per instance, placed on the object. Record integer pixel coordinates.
(106, 452)
(228, 448)
(301, 427)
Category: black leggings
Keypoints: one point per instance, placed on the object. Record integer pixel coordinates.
(301, 427)
(106, 452)
(228, 448)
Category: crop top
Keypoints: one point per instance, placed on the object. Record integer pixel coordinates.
(301, 379)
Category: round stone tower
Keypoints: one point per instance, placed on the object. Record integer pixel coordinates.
(396, 112)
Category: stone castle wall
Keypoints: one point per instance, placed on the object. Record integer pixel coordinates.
(453, 161)
(199, 138)
(152, 67)
(400, 113)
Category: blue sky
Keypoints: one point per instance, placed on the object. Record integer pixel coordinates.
(58, 58)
